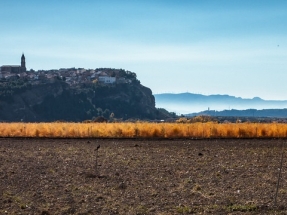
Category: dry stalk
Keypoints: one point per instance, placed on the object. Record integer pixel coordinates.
(279, 176)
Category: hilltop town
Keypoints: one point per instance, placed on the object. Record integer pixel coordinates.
(74, 94)
(72, 76)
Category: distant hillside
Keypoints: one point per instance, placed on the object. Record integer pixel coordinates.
(185, 103)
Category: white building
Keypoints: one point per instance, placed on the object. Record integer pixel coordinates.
(107, 79)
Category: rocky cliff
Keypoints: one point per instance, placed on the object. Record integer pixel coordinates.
(58, 101)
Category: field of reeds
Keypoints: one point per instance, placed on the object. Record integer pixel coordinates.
(144, 130)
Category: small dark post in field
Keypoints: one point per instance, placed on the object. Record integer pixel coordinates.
(96, 150)
(210, 133)
(279, 176)
(24, 129)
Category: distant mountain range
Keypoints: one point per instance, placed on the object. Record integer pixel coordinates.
(186, 103)
(270, 113)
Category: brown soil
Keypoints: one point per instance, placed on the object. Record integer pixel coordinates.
(63, 176)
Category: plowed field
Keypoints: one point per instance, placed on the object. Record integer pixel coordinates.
(69, 176)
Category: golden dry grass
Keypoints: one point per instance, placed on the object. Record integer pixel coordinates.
(144, 130)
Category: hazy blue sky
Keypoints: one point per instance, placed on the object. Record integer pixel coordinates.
(235, 47)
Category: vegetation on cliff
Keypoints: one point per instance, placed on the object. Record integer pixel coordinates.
(10, 88)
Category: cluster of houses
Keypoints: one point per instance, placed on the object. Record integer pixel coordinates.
(72, 76)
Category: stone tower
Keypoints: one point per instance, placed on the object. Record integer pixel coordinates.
(23, 63)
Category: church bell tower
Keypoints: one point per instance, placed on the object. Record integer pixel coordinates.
(23, 63)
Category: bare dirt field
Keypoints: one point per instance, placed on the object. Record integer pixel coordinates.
(63, 176)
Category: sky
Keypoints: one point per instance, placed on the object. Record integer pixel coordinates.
(209, 47)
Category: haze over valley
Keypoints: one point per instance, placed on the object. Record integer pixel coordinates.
(186, 103)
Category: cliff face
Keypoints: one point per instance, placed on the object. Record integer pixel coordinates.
(126, 101)
(58, 101)
(20, 105)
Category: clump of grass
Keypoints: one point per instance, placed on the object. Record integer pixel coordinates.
(197, 187)
(182, 209)
(242, 208)
(141, 210)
